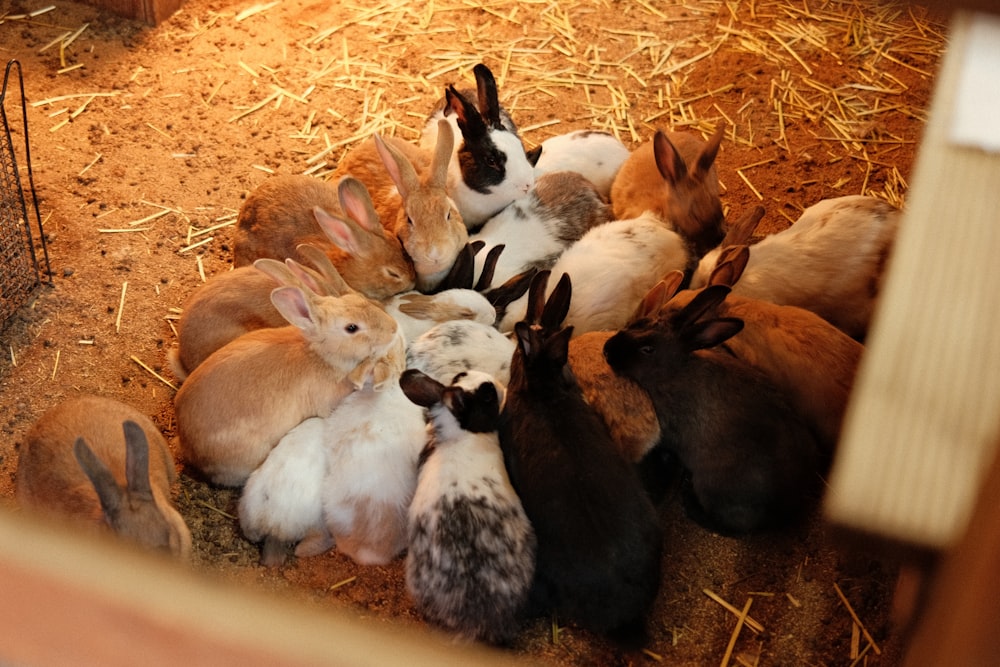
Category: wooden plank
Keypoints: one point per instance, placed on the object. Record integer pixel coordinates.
(924, 418)
(76, 599)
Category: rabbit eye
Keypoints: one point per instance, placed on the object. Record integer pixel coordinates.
(392, 274)
(409, 221)
(352, 328)
(646, 349)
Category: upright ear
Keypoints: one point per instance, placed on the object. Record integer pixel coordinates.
(489, 99)
(470, 122)
(293, 305)
(732, 261)
(659, 295)
(332, 282)
(111, 495)
(400, 170)
(668, 160)
(527, 339)
(438, 175)
(356, 202)
(557, 305)
(703, 303)
(536, 297)
(709, 333)
(308, 278)
(741, 232)
(556, 346)
(533, 155)
(462, 272)
(137, 461)
(707, 156)
(276, 270)
(512, 290)
(420, 388)
(338, 230)
(489, 268)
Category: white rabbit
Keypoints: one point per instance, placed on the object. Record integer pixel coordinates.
(461, 345)
(594, 154)
(830, 261)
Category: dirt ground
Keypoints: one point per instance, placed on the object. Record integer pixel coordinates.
(146, 140)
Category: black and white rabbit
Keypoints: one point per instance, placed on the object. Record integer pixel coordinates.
(489, 168)
(471, 557)
(599, 537)
(752, 461)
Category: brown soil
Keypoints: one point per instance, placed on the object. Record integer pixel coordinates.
(825, 101)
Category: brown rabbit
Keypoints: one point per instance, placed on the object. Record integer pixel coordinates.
(407, 185)
(103, 462)
(235, 302)
(674, 176)
(234, 407)
(284, 212)
(805, 356)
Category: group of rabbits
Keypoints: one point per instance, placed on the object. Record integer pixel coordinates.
(464, 350)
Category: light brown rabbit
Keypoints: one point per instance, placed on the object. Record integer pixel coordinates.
(284, 212)
(811, 360)
(235, 302)
(407, 185)
(236, 406)
(102, 462)
(674, 176)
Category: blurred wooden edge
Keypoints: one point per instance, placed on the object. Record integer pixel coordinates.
(69, 598)
(924, 417)
(151, 12)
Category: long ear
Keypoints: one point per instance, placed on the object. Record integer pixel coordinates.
(556, 347)
(703, 335)
(342, 233)
(111, 495)
(533, 155)
(669, 162)
(309, 279)
(400, 170)
(536, 297)
(707, 155)
(137, 461)
(438, 175)
(333, 282)
(489, 99)
(742, 231)
(294, 306)
(730, 265)
(470, 122)
(462, 272)
(527, 339)
(659, 294)
(489, 268)
(557, 305)
(702, 304)
(512, 290)
(356, 202)
(276, 270)
(421, 388)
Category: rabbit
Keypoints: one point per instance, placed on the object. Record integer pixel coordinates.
(674, 177)
(488, 104)
(234, 407)
(286, 211)
(612, 267)
(281, 501)
(471, 549)
(599, 538)
(808, 358)
(594, 154)
(490, 168)
(461, 345)
(408, 189)
(536, 228)
(102, 462)
(751, 460)
(830, 261)
(232, 303)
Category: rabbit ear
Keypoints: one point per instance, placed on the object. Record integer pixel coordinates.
(277, 270)
(111, 495)
(462, 272)
(730, 266)
(400, 170)
(527, 339)
(510, 291)
(707, 155)
(308, 278)
(342, 233)
(536, 297)
(356, 202)
(556, 347)
(420, 388)
(489, 99)
(742, 231)
(668, 160)
(660, 293)
(557, 305)
(489, 268)
(470, 122)
(702, 304)
(533, 155)
(438, 175)
(332, 282)
(293, 305)
(703, 335)
(137, 461)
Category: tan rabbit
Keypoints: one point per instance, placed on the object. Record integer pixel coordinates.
(407, 185)
(235, 302)
(103, 462)
(286, 211)
(236, 406)
(674, 177)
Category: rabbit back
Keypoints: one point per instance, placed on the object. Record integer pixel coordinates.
(593, 154)
(452, 347)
